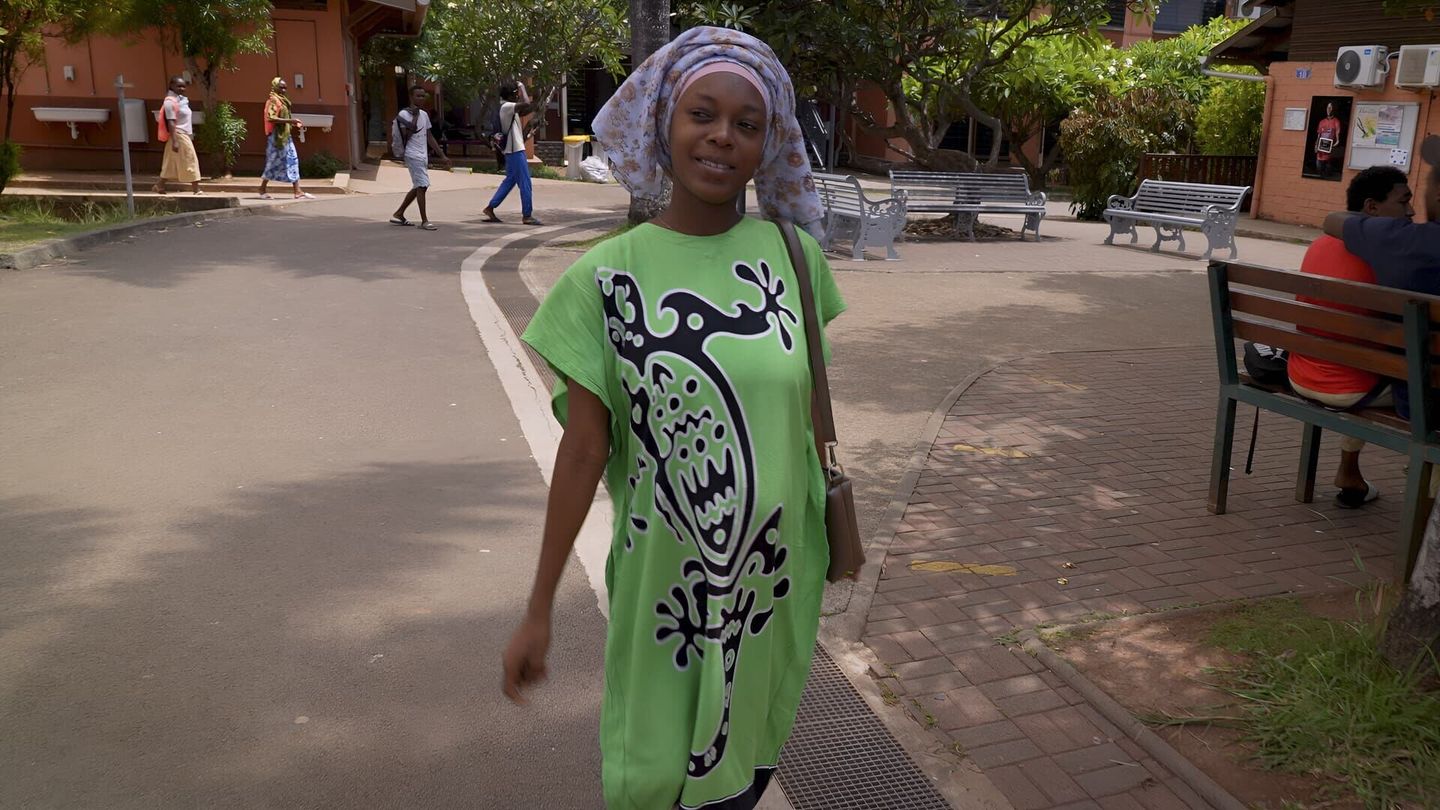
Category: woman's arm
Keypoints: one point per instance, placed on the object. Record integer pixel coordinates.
(579, 463)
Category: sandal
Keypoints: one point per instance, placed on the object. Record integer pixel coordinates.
(428, 226)
(267, 196)
(305, 196)
(1356, 498)
(400, 221)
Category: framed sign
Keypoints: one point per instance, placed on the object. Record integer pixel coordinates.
(1326, 137)
(1383, 133)
(1295, 119)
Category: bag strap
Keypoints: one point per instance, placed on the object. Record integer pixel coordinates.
(825, 429)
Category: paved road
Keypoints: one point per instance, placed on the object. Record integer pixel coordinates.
(265, 519)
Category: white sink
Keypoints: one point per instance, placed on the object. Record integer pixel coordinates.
(72, 116)
(324, 122)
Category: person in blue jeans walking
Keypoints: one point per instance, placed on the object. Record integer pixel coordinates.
(515, 105)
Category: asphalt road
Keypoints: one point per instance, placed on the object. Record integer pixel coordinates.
(266, 520)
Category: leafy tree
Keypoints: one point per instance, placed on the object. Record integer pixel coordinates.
(209, 34)
(473, 45)
(1103, 144)
(1228, 121)
(1045, 80)
(927, 56)
(23, 26)
(1175, 63)
(649, 31)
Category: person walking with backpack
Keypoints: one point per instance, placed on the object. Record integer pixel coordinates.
(177, 133)
(515, 105)
(413, 139)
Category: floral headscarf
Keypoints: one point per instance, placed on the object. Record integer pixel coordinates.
(277, 106)
(634, 125)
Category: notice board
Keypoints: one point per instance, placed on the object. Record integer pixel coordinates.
(1382, 133)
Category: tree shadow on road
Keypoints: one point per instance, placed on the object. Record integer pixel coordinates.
(326, 642)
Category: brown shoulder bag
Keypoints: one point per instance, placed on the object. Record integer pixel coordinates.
(847, 553)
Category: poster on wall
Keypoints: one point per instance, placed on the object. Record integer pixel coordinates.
(1325, 138)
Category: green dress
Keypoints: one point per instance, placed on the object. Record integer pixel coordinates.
(717, 562)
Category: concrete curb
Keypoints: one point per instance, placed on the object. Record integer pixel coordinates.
(1138, 732)
(849, 626)
(44, 252)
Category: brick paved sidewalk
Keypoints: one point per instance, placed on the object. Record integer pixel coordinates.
(1087, 474)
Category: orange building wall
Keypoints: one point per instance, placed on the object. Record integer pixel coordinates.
(307, 42)
(1281, 193)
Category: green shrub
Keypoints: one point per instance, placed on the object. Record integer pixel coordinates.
(9, 162)
(221, 135)
(1103, 144)
(1228, 122)
(322, 164)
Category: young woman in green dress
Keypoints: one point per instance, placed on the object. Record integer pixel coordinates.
(684, 381)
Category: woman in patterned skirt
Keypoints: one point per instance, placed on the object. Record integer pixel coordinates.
(282, 163)
(684, 381)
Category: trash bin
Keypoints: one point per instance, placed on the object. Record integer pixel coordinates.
(574, 153)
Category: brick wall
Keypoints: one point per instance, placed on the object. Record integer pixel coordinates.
(1282, 194)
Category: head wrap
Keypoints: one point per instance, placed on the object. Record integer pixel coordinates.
(634, 125)
(277, 106)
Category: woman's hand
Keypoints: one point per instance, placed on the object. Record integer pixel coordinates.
(525, 657)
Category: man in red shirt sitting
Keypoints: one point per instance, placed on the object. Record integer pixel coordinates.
(1379, 191)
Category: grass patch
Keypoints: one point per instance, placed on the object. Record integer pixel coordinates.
(1317, 698)
(586, 244)
(25, 221)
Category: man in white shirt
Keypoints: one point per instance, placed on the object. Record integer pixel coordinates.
(412, 137)
(515, 105)
(180, 162)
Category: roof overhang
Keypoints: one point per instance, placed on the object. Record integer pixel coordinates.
(1265, 40)
(399, 18)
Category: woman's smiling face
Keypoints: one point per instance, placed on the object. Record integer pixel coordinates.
(717, 137)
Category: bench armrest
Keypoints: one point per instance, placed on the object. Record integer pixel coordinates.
(1121, 203)
(889, 207)
(1037, 198)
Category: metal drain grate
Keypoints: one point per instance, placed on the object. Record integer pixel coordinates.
(840, 756)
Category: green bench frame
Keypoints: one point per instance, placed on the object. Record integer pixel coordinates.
(1256, 303)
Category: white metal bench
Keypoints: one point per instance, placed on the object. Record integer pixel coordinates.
(969, 194)
(849, 213)
(1170, 207)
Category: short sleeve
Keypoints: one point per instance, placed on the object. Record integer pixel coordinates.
(569, 332)
(828, 300)
(424, 125)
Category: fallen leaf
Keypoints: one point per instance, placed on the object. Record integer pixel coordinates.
(1062, 581)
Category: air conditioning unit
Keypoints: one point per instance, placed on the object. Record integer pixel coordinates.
(1250, 9)
(1361, 66)
(1419, 67)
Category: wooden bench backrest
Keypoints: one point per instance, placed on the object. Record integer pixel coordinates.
(962, 187)
(840, 193)
(1397, 338)
(1161, 197)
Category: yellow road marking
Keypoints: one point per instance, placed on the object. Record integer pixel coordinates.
(1003, 452)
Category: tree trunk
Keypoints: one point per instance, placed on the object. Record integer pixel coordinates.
(1412, 636)
(649, 31)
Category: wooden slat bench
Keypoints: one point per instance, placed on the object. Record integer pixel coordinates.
(1170, 208)
(1398, 339)
(849, 213)
(969, 194)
